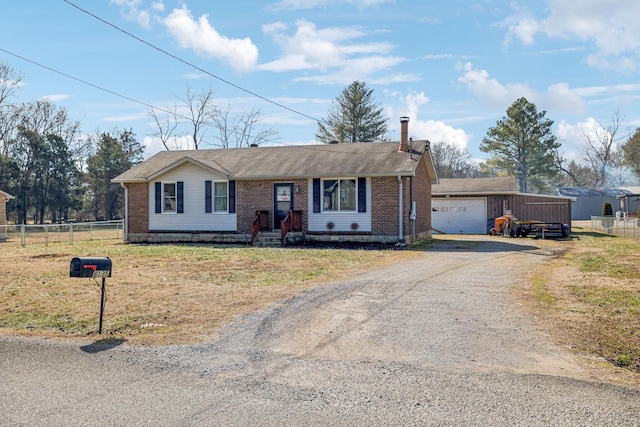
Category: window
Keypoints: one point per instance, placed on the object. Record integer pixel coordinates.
(220, 197)
(339, 195)
(169, 198)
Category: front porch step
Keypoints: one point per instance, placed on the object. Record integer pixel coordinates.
(267, 239)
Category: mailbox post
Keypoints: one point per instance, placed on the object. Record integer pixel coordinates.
(94, 267)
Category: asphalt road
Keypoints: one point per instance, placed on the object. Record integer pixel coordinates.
(437, 341)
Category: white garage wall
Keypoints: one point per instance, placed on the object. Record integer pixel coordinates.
(459, 215)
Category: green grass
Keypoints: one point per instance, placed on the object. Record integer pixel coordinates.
(599, 308)
(541, 292)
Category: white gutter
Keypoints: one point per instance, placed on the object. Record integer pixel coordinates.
(125, 221)
(400, 236)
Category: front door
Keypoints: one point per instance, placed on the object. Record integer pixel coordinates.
(282, 203)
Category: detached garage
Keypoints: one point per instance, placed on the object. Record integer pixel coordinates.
(470, 205)
(459, 215)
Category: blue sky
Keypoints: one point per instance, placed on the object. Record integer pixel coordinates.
(453, 67)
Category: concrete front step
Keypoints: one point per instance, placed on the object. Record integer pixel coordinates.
(267, 239)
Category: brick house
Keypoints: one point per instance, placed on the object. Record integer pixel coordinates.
(4, 198)
(364, 192)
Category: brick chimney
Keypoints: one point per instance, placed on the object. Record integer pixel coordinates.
(404, 134)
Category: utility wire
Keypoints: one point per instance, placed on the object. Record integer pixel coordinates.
(189, 63)
(91, 84)
(128, 98)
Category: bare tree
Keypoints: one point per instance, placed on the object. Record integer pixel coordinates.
(453, 162)
(200, 111)
(166, 125)
(10, 82)
(242, 129)
(45, 118)
(603, 153)
(575, 174)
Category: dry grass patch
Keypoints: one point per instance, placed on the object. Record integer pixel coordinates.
(161, 294)
(590, 297)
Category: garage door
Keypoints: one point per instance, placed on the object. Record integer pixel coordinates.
(459, 216)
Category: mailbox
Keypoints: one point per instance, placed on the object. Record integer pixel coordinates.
(90, 267)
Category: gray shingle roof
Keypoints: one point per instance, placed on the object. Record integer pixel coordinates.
(304, 161)
(463, 186)
(592, 191)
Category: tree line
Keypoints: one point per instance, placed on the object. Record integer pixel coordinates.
(521, 145)
(55, 172)
(58, 173)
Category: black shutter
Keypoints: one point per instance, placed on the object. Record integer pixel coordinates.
(207, 197)
(180, 191)
(158, 197)
(316, 195)
(362, 194)
(232, 197)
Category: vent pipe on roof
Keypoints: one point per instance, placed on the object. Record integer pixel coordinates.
(404, 134)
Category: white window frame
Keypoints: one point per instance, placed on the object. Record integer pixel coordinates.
(214, 197)
(341, 195)
(165, 198)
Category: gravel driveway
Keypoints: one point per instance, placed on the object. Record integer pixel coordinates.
(435, 341)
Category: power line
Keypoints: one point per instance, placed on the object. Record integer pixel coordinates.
(53, 70)
(128, 98)
(190, 64)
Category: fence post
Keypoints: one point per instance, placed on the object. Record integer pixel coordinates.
(70, 234)
(46, 235)
(22, 237)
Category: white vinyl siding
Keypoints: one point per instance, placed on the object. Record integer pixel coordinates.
(194, 217)
(342, 221)
(463, 215)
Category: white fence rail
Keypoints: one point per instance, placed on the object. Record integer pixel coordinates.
(60, 233)
(624, 227)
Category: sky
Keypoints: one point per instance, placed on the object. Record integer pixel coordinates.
(452, 67)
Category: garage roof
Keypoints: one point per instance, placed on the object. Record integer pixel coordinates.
(475, 186)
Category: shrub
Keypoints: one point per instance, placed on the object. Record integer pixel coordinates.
(607, 216)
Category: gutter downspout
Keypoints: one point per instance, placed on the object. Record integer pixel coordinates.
(400, 213)
(125, 223)
(412, 212)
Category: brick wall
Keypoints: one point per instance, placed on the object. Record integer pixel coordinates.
(252, 196)
(385, 201)
(422, 197)
(138, 219)
(3, 216)
(384, 206)
(3, 210)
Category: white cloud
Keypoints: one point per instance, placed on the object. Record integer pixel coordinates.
(312, 4)
(611, 25)
(130, 10)
(333, 50)
(490, 92)
(433, 130)
(56, 97)
(127, 117)
(572, 136)
(200, 36)
(157, 6)
(608, 90)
